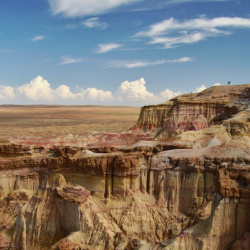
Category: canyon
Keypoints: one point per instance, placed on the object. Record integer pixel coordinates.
(179, 178)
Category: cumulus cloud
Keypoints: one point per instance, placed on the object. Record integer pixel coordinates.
(69, 60)
(94, 94)
(63, 92)
(40, 91)
(171, 32)
(37, 89)
(37, 38)
(135, 92)
(6, 92)
(76, 8)
(140, 64)
(104, 48)
(94, 23)
(169, 94)
(217, 84)
(199, 89)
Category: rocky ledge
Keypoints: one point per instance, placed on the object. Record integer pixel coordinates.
(179, 179)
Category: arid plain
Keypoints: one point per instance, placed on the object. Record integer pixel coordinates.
(57, 120)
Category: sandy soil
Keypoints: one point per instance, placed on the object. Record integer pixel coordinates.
(43, 120)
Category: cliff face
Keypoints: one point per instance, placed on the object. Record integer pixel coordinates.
(112, 201)
(191, 112)
(190, 192)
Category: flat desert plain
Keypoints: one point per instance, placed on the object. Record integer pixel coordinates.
(56, 120)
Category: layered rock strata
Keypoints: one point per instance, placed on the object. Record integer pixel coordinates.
(120, 198)
(189, 192)
(191, 112)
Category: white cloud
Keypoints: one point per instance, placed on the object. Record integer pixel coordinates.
(37, 89)
(68, 60)
(140, 64)
(63, 92)
(199, 89)
(170, 42)
(6, 92)
(76, 8)
(169, 94)
(40, 91)
(103, 48)
(202, 15)
(182, 60)
(90, 23)
(202, 87)
(94, 94)
(94, 23)
(37, 38)
(171, 32)
(171, 24)
(186, 1)
(143, 64)
(135, 93)
(132, 64)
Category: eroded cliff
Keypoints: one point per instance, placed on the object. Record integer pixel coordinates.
(191, 191)
(191, 112)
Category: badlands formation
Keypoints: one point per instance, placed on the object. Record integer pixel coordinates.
(179, 179)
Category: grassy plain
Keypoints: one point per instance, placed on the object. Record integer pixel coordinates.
(45, 120)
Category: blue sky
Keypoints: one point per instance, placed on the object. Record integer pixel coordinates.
(120, 52)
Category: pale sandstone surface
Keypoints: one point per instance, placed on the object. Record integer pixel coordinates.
(179, 179)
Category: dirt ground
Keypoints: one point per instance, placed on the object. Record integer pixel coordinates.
(43, 120)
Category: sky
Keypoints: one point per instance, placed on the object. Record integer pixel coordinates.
(120, 52)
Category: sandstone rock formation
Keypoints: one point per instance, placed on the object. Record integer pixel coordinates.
(179, 179)
(193, 112)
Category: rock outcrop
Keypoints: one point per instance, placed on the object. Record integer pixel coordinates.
(190, 190)
(192, 112)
